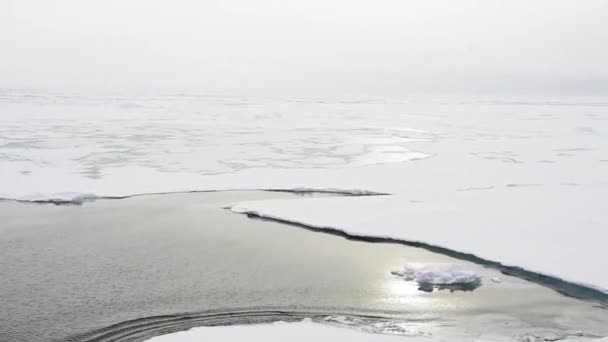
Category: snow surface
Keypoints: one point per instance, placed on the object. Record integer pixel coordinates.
(308, 330)
(520, 182)
(437, 274)
(281, 331)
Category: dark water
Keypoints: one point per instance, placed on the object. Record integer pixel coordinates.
(124, 270)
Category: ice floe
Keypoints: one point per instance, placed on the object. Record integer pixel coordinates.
(57, 198)
(440, 275)
(557, 231)
(342, 329)
(304, 331)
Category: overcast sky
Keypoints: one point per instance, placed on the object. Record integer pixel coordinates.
(307, 46)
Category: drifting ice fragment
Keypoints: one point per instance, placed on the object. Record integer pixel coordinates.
(442, 276)
(496, 280)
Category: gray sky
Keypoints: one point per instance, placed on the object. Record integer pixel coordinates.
(307, 46)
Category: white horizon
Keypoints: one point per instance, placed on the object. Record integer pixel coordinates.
(308, 47)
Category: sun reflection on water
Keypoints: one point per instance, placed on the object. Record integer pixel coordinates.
(408, 295)
(406, 292)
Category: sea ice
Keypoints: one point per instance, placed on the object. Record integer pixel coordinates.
(554, 230)
(304, 331)
(438, 274)
(308, 330)
(467, 196)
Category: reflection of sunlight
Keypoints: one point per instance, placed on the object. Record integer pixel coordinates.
(405, 292)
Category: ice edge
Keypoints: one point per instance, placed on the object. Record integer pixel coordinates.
(568, 288)
(81, 198)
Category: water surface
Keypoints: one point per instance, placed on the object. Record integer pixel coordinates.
(125, 270)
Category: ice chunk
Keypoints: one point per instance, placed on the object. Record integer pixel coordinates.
(59, 198)
(432, 275)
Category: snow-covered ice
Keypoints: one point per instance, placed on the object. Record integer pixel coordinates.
(520, 182)
(281, 331)
(437, 274)
(558, 231)
(308, 330)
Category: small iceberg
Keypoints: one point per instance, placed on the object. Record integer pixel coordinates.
(440, 276)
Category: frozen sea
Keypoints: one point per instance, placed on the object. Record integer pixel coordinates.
(519, 183)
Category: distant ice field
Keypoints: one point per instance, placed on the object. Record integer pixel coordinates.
(202, 135)
(523, 182)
